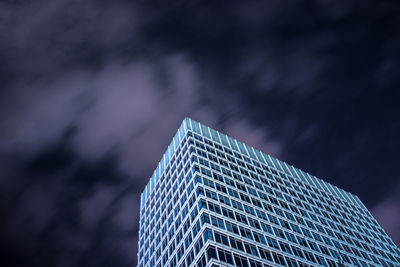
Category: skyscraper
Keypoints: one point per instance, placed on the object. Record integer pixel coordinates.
(214, 201)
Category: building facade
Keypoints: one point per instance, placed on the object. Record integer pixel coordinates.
(214, 201)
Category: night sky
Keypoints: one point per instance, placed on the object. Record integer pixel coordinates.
(92, 92)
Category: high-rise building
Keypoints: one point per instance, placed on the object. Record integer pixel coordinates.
(214, 201)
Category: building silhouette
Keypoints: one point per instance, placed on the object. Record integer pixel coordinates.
(214, 201)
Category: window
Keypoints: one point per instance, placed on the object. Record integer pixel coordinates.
(307, 232)
(198, 245)
(227, 213)
(235, 243)
(291, 262)
(241, 218)
(220, 188)
(244, 198)
(180, 252)
(279, 212)
(186, 225)
(267, 228)
(193, 214)
(229, 182)
(214, 207)
(284, 224)
(188, 240)
(313, 246)
(207, 234)
(322, 261)
(205, 218)
(211, 253)
(259, 238)
(291, 237)
(221, 238)
(261, 215)
(245, 232)
(224, 199)
(265, 254)
(208, 182)
(202, 204)
(297, 252)
(285, 247)
(237, 205)
(278, 258)
(252, 191)
(272, 242)
(225, 256)
(210, 194)
(189, 258)
(217, 222)
(273, 219)
(231, 227)
(173, 262)
(251, 249)
(279, 233)
(289, 216)
(302, 242)
(240, 261)
(249, 210)
(233, 193)
(309, 256)
(254, 263)
(324, 250)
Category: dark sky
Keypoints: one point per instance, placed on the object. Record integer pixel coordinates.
(93, 91)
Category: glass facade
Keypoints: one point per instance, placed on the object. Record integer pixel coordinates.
(214, 201)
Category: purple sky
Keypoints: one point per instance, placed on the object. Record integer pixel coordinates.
(92, 93)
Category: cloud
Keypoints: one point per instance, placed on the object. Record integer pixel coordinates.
(257, 137)
(387, 213)
(92, 94)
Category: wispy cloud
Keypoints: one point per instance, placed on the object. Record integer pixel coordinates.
(387, 212)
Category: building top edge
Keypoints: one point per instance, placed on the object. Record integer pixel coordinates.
(250, 152)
